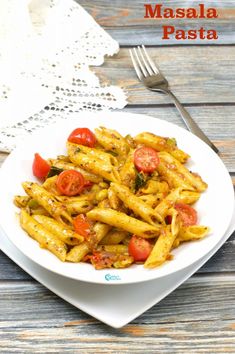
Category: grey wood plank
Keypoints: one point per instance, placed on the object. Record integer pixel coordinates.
(198, 317)
(124, 21)
(195, 74)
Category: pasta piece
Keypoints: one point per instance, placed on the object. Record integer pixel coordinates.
(50, 185)
(154, 187)
(128, 171)
(160, 143)
(163, 207)
(70, 166)
(172, 176)
(78, 205)
(180, 155)
(161, 249)
(101, 195)
(47, 201)
(149, 199)
(114, 237)
(21, 201)
(77, 253)
(117, 249)
(59, 230)
(124, 222)
(188, 197)
(175, 222)
(111, 140)
(45, 238)
(192, 179)
(190, 233)
(94, 153)
(114, 201)
(134, 203)
(93, 163)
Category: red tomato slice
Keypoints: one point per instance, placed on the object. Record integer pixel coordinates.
(81, 225)
(88, 184)
(139, 248)
(40, 166)
(70, 182)
(102, 260)
(146, 159)
(82, 136)
(187, 214)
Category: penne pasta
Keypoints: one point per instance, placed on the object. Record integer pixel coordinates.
(194, 180)
(112, 141)
(124, 222)
(21, 201)
(163, 207)
(117, 249)
(191, 233)
(114, 237)
(172, 176)
(64, 165)
(77, 253)
(65, 234)
(139, 207)
(93, 163)
(161, 249)
(47, 201)
(114, 200)
(188, 197)
(128, 170)
(45, 238)
(50, 185)
(78, 205)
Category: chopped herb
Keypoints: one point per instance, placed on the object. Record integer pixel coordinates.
(54, 171)
(112, 153)
(33, 204)
(77, 150)
(140, 180)
(171, 142)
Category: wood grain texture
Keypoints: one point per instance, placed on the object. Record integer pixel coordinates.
(125, 21)
(34, 320)
(195, 74)
(199, 317)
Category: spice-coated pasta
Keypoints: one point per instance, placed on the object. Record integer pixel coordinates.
(113, 200)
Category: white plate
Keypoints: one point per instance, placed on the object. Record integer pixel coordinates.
(215, 207)
(101, 301)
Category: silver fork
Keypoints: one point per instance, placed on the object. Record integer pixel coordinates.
(148, 73)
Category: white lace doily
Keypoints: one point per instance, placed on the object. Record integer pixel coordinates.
(44, 66)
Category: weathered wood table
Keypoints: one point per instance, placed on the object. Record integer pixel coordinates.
(199, 317)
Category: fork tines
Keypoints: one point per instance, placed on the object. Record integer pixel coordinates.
(143, 64)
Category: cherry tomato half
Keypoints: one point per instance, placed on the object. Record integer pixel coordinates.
(139, 248)
(81, 225)
(187, 214)
(146, 159)
(82, 136)
(70, 182)
(40, 167)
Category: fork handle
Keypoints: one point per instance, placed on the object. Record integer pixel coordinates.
(190, 123)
